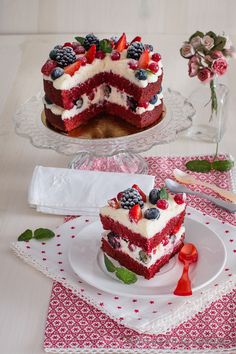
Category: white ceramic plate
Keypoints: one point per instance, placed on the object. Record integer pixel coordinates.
(87, 261)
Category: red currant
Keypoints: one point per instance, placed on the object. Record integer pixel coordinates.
(68, 44)
(115, 55)
(162, 204)
(144, 104)
(131, 247)
(156, 57)
(100, 54)
(153, 67)
(133, 64)
(165, 241)
(179, 199)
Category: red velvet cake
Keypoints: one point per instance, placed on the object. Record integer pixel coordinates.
(142, 233)
(90, 76)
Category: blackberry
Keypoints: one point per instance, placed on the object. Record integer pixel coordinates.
(63, 56)
(135, 50)
(132, 104)
(91, 39)
(131, 197)
(113, 240)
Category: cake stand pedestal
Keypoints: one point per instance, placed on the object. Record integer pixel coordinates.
(116, 154)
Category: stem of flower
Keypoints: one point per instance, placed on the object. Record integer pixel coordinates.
(217, 149)
(214, 105)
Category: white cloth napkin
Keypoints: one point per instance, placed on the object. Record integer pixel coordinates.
(65, 191)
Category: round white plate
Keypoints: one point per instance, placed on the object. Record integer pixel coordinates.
(87, 261)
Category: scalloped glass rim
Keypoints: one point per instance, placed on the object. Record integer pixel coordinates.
(28, 123)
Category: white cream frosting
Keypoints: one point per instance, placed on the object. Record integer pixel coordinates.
(115, 96)
(119, 67)
(156, 253)
(144, 227)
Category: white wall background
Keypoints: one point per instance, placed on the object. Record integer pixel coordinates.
(115, 16)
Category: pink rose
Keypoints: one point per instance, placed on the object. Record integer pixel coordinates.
(187, 50)
(193, 66)
(196, 41)
(219, 66)
(208, 42)
(216, 54)
(230, 52)
(205, 75)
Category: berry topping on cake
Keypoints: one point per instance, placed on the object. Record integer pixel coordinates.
(143, 104)
(79, 49)
(144, 60)
(162, 204)
(107, 91)
(133, 64)
(136, 39)
(72, 68)
(90, 40)
(152, 213)
(63, 56)
(113, 203)
(115, 55)
(156, 57)
(153, 67)
(135, 50)
(119, 195)
(179, 198)
(56, 73)
(149, 47)
(79, 102)
(141, 74)
(48, 67)
(131, 197)
(47, 100)
(132, 104)
(153, 100)
(113, 240)
(121, 44)
(91, 53)
(144, 257)
(143, 195)
(100, 54)
(83, 61)
(135, 213)
(154, 196)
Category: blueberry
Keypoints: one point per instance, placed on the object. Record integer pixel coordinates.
(148, 46)
(53, 54)
(56, 73)
(153, 100)
(48, 101)
(132, 103)
(79, 102)
(113, 240)
(141, 74)
(152, 213)
(154, 196)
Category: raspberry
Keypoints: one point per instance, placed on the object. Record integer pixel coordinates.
(115, 55)
(79, 49)
(153, 67)
(100, 54)
(156, 57)
(48, 67)
(179, 199)
(162, 204)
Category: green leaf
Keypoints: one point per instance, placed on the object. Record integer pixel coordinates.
(222, 165)
(126, 275)
(219, 43)
(105, 45)
(43, 234)
(211, 34)
(80, 39)
(26, 235)
(198, 33)
(109, 265)
(198, 165)
(163, 193)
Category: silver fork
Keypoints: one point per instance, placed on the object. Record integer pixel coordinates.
(176, 187)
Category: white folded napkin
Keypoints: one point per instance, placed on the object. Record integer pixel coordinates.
(65, 191)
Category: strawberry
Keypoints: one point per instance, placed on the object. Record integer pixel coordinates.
(48, 67)
(121, 44)
(143, 195)
(72, 68)
(119, 195)
(91, 53)
(135, 213)
(113, 203)
(136, 39)
(144, 60)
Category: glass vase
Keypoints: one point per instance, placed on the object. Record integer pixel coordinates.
(211, 104)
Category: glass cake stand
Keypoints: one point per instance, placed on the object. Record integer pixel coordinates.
(105, 152)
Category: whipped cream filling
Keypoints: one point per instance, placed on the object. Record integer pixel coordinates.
(119, 67)
(156, 253)
(144, 227)
(115, 96)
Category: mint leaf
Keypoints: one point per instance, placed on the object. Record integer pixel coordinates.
(163, 193)
(198, 165)
(222, 165)
(26, 235)
(105, 45)
(80, 39)
(43, 234)
(126, 275)
(109, 265)
(197, 33)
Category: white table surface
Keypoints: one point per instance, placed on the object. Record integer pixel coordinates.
(24, 294)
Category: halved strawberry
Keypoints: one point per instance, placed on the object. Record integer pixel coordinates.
(143, 195)
(135, 213)
(136, 39)
(72, 68)
(121, 44)
(91, 53)
(144, 60)
(113, 203)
